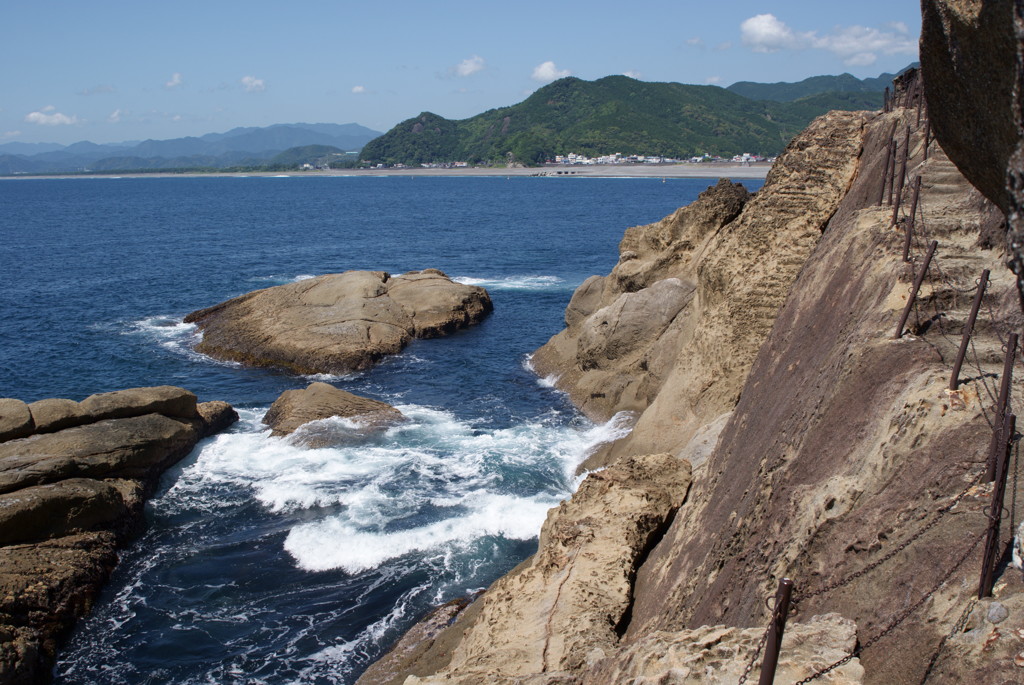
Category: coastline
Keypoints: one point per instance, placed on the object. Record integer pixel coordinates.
(702, 170)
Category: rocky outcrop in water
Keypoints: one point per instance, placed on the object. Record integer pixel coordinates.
(296, 408)
(72, 487)
(337, 323)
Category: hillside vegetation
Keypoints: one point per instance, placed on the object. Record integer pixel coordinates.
(609, 115)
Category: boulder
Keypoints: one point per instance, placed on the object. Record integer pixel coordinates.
(56, 414)
(162, 399)
(15, 419)
(216, 416)
(295, 408)
(337, 323)
(47, 511)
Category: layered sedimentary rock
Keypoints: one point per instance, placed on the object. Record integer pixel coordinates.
(672, 331)
(295, 408)
(560, 610)
(337, 323)
(71, 488)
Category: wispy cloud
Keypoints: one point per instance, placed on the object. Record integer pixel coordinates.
(470, 66)
(174, 82)
(545, 72)
(724, 45)
(253, 84)
(115, 116)
(49, 116)
(632, 73)
(358, 90)
(854, 45)
(712, 80)
(696, 42)
(11, 134)
(101, 89)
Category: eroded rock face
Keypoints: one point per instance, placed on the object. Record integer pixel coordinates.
(337, 323)
(673, 330)
(295, 408)
(562, 606)
(70, 489)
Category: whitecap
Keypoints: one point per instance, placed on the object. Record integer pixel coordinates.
(518, 282)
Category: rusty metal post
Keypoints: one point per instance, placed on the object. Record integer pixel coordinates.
(885, 175)
(954, 379)
(900, 177)
(927, 137)
(995, 513)
(917, 286)
(909, 227)
(1001, 405)
(919, 92)
(892, 168)
(778, 626)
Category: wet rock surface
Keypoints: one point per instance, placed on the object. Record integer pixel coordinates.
(295, 408)
(72, 489)
(337, 323)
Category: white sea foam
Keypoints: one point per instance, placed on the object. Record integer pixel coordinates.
(281, 279)
(433, 483)
(515, 282)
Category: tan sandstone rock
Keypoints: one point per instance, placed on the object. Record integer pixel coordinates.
(564, 604)
(337, 323)
(15, 419)
(295, 408)
(46, 511)
(673, 330)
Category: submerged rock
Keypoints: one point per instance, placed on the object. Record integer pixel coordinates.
(295, 408)
(72, 486)
(337, 323)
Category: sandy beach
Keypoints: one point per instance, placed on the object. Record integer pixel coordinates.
(702, 170)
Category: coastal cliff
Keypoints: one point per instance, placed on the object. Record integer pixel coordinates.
(755, 337)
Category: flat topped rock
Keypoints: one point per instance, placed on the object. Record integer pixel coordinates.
(295, 408)
(337, 323)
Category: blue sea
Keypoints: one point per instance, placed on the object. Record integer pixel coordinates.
(264, 561)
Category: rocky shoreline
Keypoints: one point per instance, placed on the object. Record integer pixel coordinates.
(753, 338)
(74, 477)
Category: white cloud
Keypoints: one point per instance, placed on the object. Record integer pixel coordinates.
(470, 66)
(711, 80)
(547, 72)
(723, 45)
(253, 84)
(696, 41)
(115, 116)
(358, 89)
(765, 33)
(174, 82)
(11, 134)
(632, 73)
(854, 45)
(48, 116)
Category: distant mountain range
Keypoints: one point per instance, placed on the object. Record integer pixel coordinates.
(248, 146)
(621, 114)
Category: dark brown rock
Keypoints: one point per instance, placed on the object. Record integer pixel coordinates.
(337, 323)
(295, 408)
(15, 419)
(44, 588)
(48, 511)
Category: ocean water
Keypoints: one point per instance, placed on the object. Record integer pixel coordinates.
(264, 561)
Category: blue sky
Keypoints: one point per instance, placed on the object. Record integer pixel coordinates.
(113, 71)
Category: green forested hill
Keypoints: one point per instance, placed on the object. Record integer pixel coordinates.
(609, 115)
